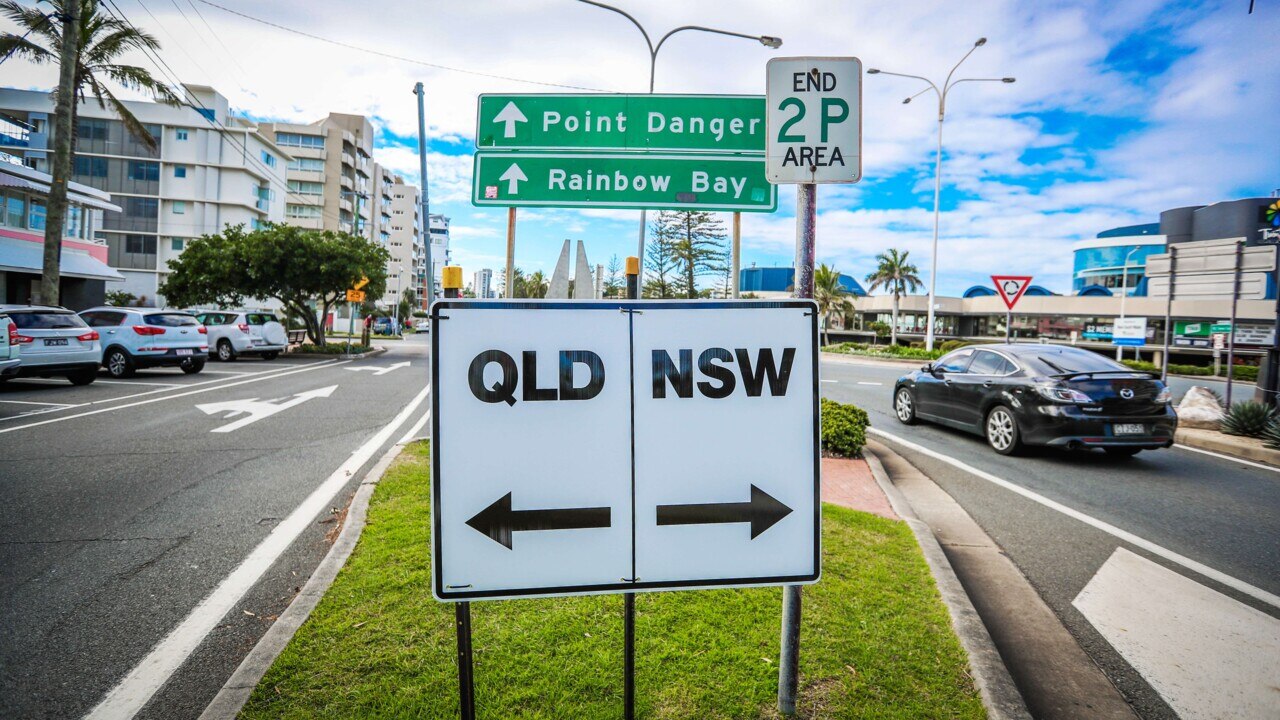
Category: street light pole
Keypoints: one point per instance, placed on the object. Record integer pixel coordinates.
(766, 40)
(1124, 295)
(942, 93)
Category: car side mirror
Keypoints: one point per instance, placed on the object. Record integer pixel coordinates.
(928, 367)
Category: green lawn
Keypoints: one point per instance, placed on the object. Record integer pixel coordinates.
(876, 640)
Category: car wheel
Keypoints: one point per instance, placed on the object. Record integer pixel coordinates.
(904, 406)
(84, 377)
(191, 367)
(270, 355)
(1002, 431)
(1122, 452)
(119, 364)
(226, 353)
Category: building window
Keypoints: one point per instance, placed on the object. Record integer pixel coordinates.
(181, 133)
(176, 244)
(306, 188)
(90, 166)
(90, 129)
(143, 170)
(179, 171)
(15, 209)
(301, 211)
(35, 214)
(139, 207)
(268, 158)
(140, 244)
(298, 140)
(307, 164)
(179, 207)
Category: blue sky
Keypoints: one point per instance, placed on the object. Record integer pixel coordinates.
(1120, 109)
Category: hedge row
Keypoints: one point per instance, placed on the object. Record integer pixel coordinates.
(1242, 372)
(844, 429)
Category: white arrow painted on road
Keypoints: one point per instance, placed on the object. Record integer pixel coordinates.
(513, 175)
(381, 370)
(510, 115)
(254, 409)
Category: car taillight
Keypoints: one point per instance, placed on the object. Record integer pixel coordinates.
(148, 330)
(203, 330)
(20, 339)
(89, 336)
(1165, 396)
(13, 333)
(244, 327)
(1057, 393)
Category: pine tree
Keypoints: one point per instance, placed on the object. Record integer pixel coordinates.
(613, 281)
(699, 248)
(660, 257)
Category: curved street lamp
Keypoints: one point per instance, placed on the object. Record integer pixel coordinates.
(942, 93)
(768, 41)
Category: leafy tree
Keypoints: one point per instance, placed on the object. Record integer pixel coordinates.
(517, 283)
(535, 285)
(408, 301)
(120, 298)
(697, 246)
(94, 42)
(897, 276)
(660, 257)
(306, 270)
(833, 300)
(613, 286)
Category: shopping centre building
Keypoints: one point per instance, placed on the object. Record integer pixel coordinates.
(1123, 271)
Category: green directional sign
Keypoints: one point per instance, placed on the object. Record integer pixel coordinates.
(693, 123)
(622, 180)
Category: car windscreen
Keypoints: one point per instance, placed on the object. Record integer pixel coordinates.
(46, 320)
(1079, 361)
(260, 318)
(170, 320)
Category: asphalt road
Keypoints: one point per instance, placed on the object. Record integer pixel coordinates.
(126, 507)
(1212, 510)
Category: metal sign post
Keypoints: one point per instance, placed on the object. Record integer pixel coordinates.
(1231, 338)
(813, 134)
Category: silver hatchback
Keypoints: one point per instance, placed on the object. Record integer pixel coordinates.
(54, 341)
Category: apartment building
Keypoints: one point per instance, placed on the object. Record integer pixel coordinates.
(330, 174)
(210, 170)
(482, 284)
(400, 227)
(438, 231)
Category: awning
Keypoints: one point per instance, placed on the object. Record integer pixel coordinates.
(7, 180)
(28, 257)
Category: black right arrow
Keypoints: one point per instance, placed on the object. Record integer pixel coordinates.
(498, 520)
(763, 512)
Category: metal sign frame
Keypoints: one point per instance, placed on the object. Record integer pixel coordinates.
(439, 313)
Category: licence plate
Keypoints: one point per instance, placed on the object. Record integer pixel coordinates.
(182, 352)
(1129, 429)
(55, 341)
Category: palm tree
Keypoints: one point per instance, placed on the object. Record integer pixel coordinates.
(97, 42)
(535, 285)
(833, 300)
(897, 276)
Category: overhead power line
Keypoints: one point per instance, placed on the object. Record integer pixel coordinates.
(390, 56)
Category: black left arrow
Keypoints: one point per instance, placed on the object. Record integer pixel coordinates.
(498, 520)
(762, 511)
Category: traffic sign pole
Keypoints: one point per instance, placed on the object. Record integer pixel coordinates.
(1231, 337)
(735, 261)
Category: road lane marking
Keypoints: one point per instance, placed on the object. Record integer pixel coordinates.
(413, 431)
(1158, 550)
(830, 381)
(381, 370)
(136, 382)
(133, 692)
(258, 378)
(32, 402)
(1208, 655)
(864, 382)
(254, 409)
(144, 393)
(1242, 461)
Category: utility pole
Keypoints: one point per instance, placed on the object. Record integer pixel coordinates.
(63, 149)
(425, 195)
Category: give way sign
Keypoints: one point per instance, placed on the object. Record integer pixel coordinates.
(1011, 287)
(597, 447)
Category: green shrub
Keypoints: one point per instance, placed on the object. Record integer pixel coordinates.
(1271, 436)
(1141, 365)
(949, 345)
(1246, 372)
(1248, 418)
(1242, 372)
(844, 429)
(330, 349)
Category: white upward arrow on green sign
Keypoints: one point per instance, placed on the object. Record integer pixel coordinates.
(513, 176)
(510, 115)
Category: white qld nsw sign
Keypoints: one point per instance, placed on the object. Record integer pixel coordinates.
(592, 447)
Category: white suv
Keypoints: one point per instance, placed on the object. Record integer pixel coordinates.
(233, 333)
(135, 338)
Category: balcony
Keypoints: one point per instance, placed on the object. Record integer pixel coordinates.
(348, 159)
(346, 183)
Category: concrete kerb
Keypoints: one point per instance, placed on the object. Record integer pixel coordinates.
(999, 693)
(226, 705)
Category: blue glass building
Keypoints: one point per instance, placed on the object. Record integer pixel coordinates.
(781, 279)
(1101, 264)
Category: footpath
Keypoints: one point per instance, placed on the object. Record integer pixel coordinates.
(888, 632)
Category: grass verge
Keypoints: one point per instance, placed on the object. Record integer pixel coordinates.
(877, 640)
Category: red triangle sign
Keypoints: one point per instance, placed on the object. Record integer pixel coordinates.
(1011, 287)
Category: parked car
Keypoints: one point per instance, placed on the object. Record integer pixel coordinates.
(134, 338)
(1056, 395)
(422, 325)
(233, 333)
(384, 326)
(9, 348)
(54, 341)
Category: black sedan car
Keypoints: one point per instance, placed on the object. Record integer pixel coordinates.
(1018, 395)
